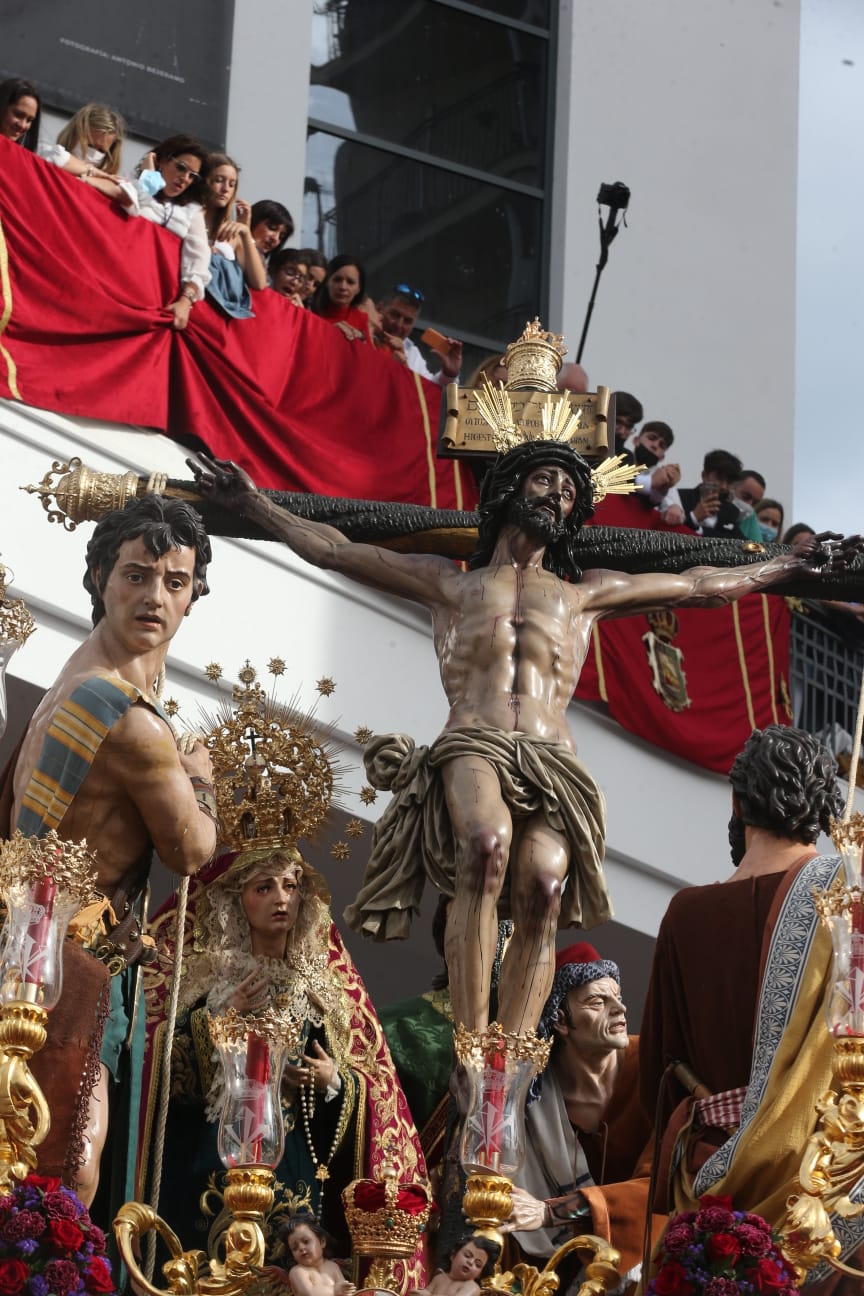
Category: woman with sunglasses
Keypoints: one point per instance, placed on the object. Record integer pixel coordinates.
(339, 299)
(235, 264)
(167, 194)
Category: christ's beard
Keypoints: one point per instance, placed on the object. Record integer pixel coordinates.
(737, 844)
(535, 521)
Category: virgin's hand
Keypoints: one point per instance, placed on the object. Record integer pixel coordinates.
(343, 1288)
(251, 993)
(321, 1069)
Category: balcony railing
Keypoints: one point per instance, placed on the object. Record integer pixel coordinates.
(826, 665)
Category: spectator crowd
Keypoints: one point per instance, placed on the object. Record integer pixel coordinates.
(232, 248)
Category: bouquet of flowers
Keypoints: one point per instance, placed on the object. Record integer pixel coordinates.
(718, 1251)
(48, 1244)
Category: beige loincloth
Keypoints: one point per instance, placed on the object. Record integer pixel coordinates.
(413, 840)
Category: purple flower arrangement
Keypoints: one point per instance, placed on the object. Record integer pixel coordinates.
(48, 1244)
(718, 1251)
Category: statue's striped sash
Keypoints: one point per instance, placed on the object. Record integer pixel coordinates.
(77, 731)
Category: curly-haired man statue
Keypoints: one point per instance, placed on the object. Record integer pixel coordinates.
(499, 812)
(741, 973)
(99, 761)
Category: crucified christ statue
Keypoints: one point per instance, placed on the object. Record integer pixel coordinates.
(499, 809)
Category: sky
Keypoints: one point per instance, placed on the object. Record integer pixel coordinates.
(829, 455)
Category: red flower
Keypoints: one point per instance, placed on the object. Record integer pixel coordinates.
(60, 1205)
(62, 1277)
(47, 1183)
(754, 1241)
(769, 1276)
(724, 1247)
(13, 1276)
(708, 1199)
(714, 1219)
(672, 1280)
(97, 1238)
(677, 1239)
(64, 1234)
(99, 1278)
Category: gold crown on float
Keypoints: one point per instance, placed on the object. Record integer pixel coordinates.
(25, 861)
(232, 1029)
(16, 623)
(386, 1218)
(534, 359)
(613, 476)
(274, 772)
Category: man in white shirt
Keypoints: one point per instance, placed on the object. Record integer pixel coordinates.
(398, 316)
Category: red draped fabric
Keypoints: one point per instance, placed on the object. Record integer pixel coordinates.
(736, 664)
(83, 331)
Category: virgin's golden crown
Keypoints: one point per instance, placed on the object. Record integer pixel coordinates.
(273, 772)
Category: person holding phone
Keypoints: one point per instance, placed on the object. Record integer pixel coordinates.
(708, 507)
(399, 314)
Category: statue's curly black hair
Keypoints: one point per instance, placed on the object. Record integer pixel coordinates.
(162, 524)
(786, 781)
(503, 483)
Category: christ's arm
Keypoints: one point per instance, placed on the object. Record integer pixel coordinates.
(422, 578)
(611, 594)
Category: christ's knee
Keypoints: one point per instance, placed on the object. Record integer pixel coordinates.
(538, 907)
(485, 861)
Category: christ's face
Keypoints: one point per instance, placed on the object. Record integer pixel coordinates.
(544, 503)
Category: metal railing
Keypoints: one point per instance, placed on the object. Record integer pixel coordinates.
(826, 663)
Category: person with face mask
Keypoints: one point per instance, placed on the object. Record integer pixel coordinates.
(769, 515)
(659, 479)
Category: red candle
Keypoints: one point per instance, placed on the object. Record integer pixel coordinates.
(38, 938)
(257, 1076)
(856, 969)
(493, 1102)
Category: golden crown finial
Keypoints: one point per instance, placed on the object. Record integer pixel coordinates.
(534, 359)
(274, 774)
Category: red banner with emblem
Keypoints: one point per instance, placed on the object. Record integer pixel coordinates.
(83, 330)
(694, 682)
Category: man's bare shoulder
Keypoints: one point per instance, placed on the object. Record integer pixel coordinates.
(139, 728)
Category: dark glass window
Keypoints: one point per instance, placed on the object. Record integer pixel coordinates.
(427, 156)
(472, 248)
(433, 79)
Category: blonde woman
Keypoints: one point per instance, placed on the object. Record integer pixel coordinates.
(235, 263)
(90, 143)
